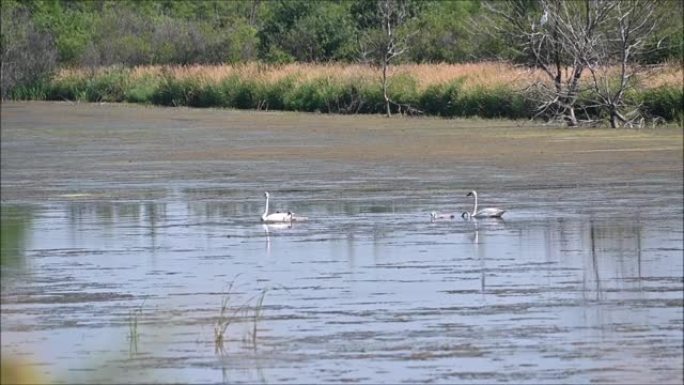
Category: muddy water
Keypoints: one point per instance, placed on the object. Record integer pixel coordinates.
(125, 229)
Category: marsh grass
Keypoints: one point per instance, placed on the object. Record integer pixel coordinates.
(258, 312)
(133, 332)
(488, 90)
(225, 318)
(229, 315)
(665, 102)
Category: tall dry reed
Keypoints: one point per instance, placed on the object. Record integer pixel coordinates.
(474, 75)
(475, 89)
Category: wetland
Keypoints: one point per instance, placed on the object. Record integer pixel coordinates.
(126, 230)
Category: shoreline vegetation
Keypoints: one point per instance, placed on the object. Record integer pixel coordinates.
(589, 63)
(485, 90)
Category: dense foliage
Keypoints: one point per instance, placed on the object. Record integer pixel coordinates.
(135, 32)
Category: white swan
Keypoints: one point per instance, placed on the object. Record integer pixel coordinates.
(490, 212)
(278, 217)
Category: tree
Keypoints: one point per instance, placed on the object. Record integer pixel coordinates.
(28, 55)
(631, 23)
(445, 33)
(388, 40)
(280, 17)
(667, 41)
(324, 34)
(566, 39)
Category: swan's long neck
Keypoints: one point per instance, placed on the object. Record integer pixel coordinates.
(475, 207)
(266, 208)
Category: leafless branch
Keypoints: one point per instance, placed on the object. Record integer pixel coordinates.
(566, 39)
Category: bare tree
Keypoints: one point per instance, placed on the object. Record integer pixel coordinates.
(632, 23)
(566, 39)
(381, 46)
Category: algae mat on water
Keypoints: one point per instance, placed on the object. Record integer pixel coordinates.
(74, 151)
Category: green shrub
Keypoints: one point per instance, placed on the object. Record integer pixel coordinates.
(370, 95)
(304, 97)
(402, 89)
(236, 93)
(496, 102)
(208, 95)
(338, 97)
(243, 95)
(37, 90)
(142, 90)
(322, 95)
(440, 99)
(665, 102)
(109, 86)
(349, 99)
(174, 92)
(68, 88)
(271, 96)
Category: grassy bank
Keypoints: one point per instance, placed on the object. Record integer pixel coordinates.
(488, 90)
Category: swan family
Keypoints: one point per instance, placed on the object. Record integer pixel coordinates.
(489, 212)
(289, 216)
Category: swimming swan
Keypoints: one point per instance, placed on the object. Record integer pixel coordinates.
(278, 217)
(490, 212)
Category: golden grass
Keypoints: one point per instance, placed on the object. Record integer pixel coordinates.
(667, 74)
(473, 75)
(486, 74)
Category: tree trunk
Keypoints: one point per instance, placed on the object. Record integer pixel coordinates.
(616, 118)
(613, 120)
(253, 12)
(572, 120)
(385, 64)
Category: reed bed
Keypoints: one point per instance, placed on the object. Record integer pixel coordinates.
(474, 74)
(488, 90)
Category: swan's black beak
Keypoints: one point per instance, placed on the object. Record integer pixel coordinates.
(469, 194)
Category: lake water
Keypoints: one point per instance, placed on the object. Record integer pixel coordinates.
(118, 253)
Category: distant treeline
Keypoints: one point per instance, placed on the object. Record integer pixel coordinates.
(142, 32)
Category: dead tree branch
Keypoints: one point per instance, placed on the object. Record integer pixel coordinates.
(567, 39)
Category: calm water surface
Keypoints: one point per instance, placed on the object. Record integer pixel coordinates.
(579, 283)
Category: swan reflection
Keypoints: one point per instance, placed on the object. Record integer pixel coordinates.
(274, 227)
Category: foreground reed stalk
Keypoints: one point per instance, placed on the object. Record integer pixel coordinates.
(133, 332)
(258, 312)
(224, 319)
